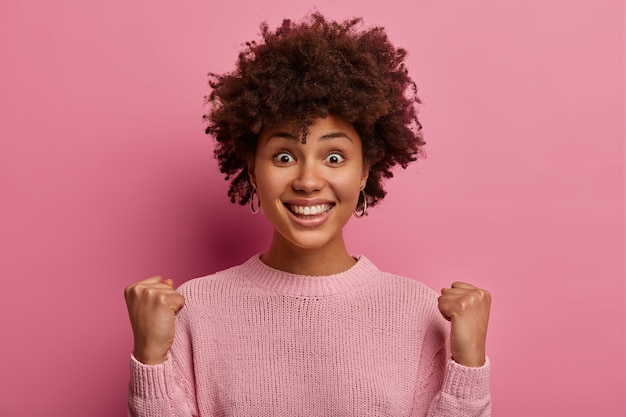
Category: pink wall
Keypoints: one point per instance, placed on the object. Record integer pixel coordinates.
(106, 177)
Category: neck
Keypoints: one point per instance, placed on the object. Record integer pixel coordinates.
(328, 260)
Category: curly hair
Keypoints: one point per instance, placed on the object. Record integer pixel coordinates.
(302, 71)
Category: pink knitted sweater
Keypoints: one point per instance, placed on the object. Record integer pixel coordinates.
(255, 341)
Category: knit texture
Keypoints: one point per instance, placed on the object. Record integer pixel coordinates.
(255, 341)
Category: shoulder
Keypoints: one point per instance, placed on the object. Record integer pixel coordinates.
(398, 282)
(216, 285)
(409, 292)
(414, 293)
(411, 304)
(409, 284)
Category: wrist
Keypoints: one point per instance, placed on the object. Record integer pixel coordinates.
(149, 356)
(471, 360)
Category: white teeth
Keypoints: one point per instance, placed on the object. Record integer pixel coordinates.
(310, 210)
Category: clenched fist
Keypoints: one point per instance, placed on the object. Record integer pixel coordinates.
(152, 304)
(467, 309)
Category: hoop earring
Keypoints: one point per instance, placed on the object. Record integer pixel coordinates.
(258, 207)
(364, 209)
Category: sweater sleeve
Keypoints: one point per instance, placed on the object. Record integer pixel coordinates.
(153, 391)
(446, 388)
(465, 392)
(165, 390)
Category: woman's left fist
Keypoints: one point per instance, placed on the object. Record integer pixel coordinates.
(467, 308)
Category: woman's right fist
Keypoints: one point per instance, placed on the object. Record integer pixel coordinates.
(152, 304)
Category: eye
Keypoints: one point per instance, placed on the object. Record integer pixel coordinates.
(284, 157)
(335, 158)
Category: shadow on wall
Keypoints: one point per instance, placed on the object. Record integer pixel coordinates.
(235, 235)
(217, 234)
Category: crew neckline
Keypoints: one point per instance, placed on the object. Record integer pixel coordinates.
(358, 275)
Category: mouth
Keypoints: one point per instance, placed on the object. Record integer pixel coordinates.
(309, 211)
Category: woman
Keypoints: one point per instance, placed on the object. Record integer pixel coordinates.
(308, 126)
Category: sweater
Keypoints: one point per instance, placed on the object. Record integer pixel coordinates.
(259, 342)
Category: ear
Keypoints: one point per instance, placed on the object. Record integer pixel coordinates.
(250, 163)
(365, 175)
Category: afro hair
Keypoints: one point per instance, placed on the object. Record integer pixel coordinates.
(310, 69)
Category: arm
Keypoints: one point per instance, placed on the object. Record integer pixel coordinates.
(454, 370)
(154, 391)
(157, 384)
(465, 392)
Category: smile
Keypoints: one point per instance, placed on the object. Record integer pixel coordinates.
(309, 210)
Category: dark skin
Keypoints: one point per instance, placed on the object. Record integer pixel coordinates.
(327, 174)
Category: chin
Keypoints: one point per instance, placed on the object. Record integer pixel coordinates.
(311, 242)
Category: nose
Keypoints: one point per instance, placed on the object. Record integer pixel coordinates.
(309, 178)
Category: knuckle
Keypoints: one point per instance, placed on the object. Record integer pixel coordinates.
(483, 295)
(133, 290)
(152, 291)
(474, 294)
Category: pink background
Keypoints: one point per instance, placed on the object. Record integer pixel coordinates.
(107, 177)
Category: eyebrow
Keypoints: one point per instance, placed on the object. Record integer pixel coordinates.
(327, 136)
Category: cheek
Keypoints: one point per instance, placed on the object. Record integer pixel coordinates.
(271, 183)
(349, 185)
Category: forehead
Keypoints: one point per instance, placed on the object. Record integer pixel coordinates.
(322, 129)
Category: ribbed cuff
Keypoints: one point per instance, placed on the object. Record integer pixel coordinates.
(467, 383)
(152, 381)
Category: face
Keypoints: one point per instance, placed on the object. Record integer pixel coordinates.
(309, 191)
